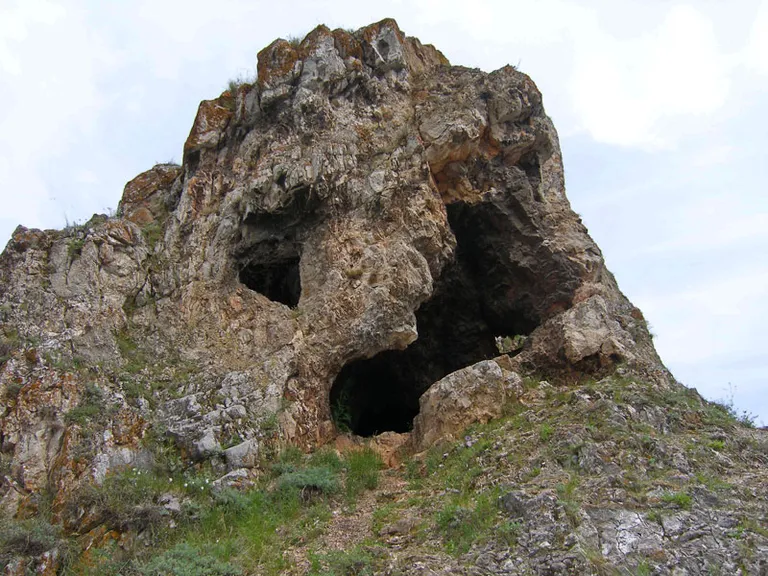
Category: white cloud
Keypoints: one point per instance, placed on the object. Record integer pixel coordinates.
(757, 48)
(712, 223)
(721, 319)
(626, 90)
(52, 100)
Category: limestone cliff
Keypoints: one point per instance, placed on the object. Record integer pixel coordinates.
(363, 236)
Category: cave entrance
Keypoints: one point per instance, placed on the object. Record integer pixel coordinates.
(274, 272)
(481, 295)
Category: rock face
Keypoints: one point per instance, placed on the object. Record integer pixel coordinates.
(360, 223)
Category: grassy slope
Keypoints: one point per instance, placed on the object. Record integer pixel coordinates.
(608, 445)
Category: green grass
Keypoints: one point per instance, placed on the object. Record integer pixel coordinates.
(680, 499)
(362, 468)
(545, 432)
(340, 411)
(135, 360)
(566, 493)
(382, 516)
(717, 445)
(462, 524)
(310, 481)
(226, 532)
(9, 341)
(153, 233)
(234, 84)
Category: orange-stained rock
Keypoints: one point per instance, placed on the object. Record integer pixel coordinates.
(209, 125)
(142, 199)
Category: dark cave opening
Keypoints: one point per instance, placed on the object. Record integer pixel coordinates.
(278, 280)
(483, 293)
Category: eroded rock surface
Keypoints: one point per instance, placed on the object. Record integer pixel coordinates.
(347, 237)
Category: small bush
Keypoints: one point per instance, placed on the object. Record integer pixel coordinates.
(340, 411)
(231, 501)
(75, 248)
(294, 41)
(90, 407)
(327, 458)
(135, 359)
(508, 532)
(289, 460)
(126, 500)
(13, 388)
(234, 84)
(354, 273)
(152, 233)
(9, 341)
(717, 445)
(26, 537)
(309, 482)
(359, 561)
(186, 560)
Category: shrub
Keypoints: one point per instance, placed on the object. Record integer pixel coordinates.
(340, 411)
(125, 500)
(234, 84)
(231, 501)
(90, 407)
(358, 561)
(289, 460)
(327, 458)
(186, 560)
(13, 388)
(309, 481)
(135, 359)
(508, 532)
(26, 537)
(354, 273)
(9, 341)
(294, 41)
(75, 247)
(152, 233)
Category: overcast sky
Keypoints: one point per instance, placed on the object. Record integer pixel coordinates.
(660, 105)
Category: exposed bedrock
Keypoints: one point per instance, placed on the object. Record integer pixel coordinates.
(358, 224)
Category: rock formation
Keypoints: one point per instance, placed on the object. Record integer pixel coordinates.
(341, 249)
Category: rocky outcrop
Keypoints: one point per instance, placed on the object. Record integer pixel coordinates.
(474, 394)
(343, 245)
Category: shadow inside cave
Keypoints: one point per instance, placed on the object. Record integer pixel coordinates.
(483, 293)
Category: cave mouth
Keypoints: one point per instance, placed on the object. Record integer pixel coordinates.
(481, 295)
(279, 280)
